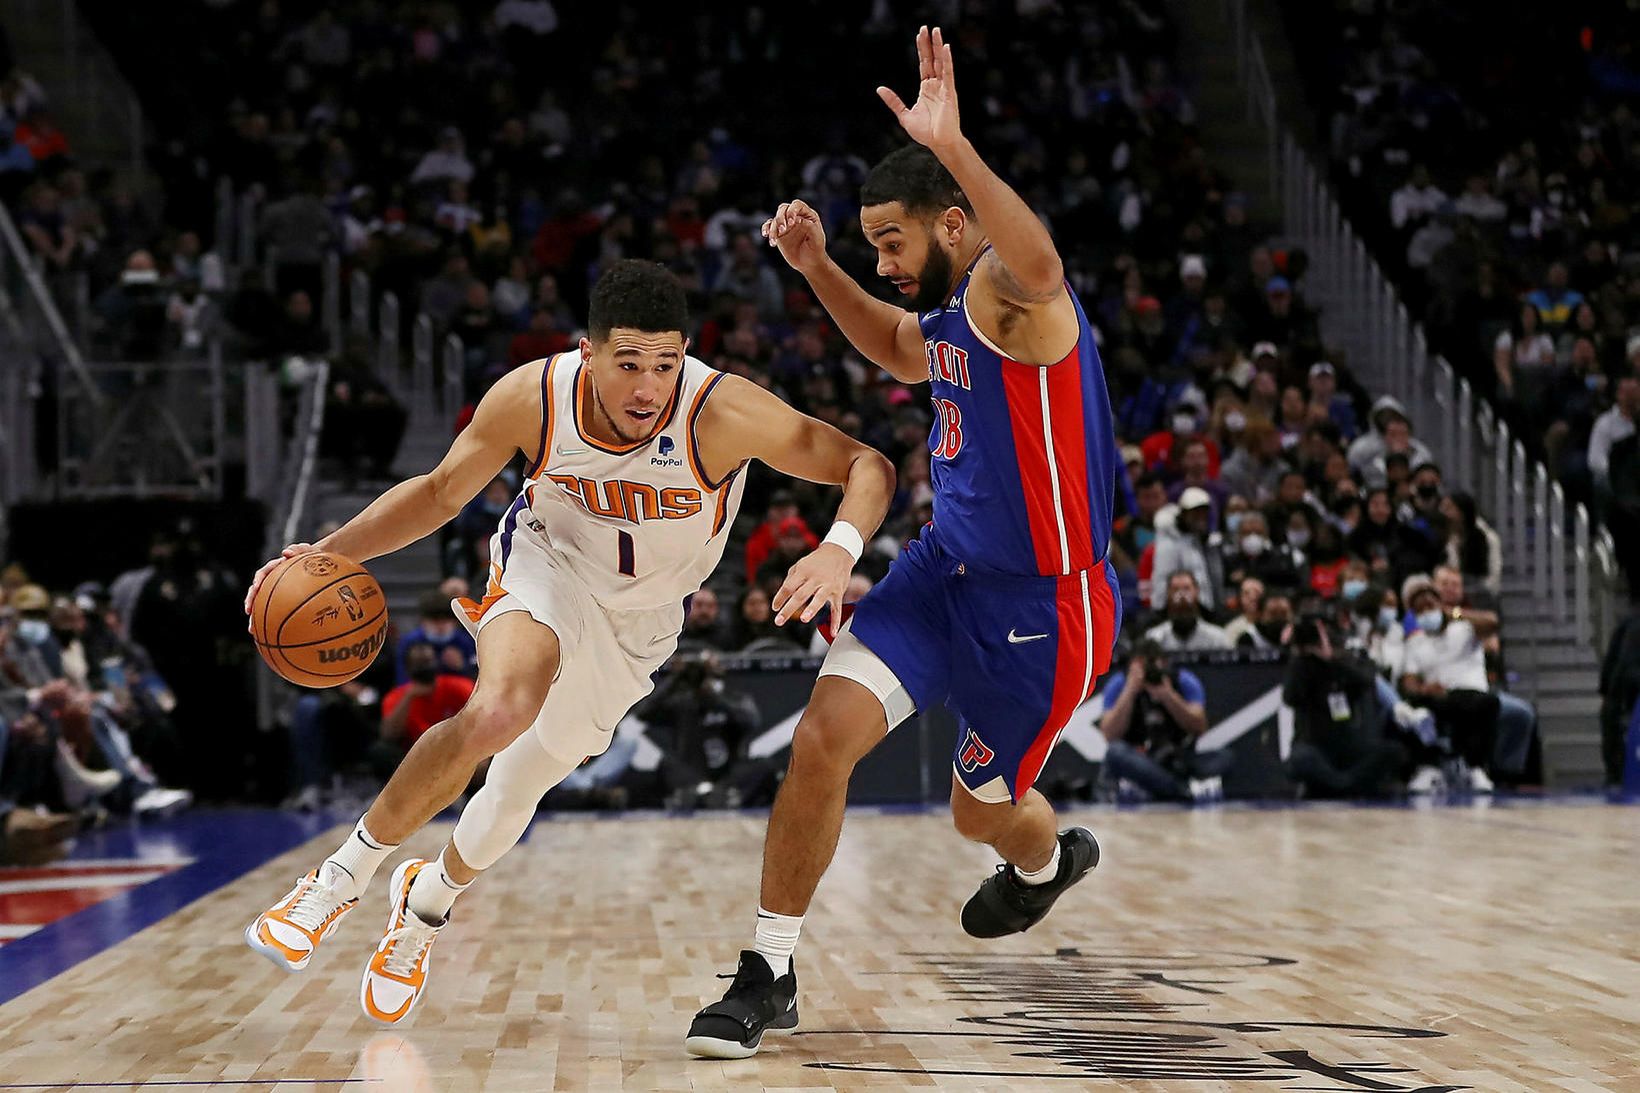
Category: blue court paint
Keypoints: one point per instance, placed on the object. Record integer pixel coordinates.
(212, 1082)
(226, 844)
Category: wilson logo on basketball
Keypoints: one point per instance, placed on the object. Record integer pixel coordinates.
(359, 650)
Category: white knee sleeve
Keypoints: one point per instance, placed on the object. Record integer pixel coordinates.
(497, 815)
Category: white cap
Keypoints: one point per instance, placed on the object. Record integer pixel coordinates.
(1633, 346)
(1263, 348)
(1192, 266)
(1194, 498)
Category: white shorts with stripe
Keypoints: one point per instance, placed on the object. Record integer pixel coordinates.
(607, 659)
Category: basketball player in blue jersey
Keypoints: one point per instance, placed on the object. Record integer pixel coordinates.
(1004, 608)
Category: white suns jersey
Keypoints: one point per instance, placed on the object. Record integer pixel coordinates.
(640, 525)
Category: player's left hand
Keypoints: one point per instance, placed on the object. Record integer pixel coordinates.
(818, 579)
(932, 121)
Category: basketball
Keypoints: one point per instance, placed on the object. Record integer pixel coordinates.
(319, 620)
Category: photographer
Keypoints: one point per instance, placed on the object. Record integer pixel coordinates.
(1339, 747)
(703, 728)
(1152, 727)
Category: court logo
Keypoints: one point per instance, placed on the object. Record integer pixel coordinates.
(974, 753)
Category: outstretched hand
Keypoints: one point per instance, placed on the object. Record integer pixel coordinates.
(932, 120)
(796, 230)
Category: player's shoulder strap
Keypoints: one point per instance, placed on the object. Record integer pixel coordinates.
(555, 372)
(699, 381)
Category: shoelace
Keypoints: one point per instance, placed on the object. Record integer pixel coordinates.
(407, 945)
(316, 903)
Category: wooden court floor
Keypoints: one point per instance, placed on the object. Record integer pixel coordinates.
(1315, 949)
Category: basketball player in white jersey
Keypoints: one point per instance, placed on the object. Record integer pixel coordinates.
(636, 456)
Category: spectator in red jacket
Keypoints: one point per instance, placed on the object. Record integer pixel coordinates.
(783, 519)
(411, 708)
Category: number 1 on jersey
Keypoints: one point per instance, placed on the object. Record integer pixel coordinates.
(627, 562)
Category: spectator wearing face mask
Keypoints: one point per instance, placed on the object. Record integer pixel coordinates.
(1184, 425)
(1378, 629)
(1445, 671)
(1185, 631)
(1185, 541)
(453, 648)
(1151, 727)
(1253, 554)
(1134, 531)
(430, 694)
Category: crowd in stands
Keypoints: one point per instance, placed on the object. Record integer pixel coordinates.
(88, 724)
(1493, 170)
(465, 161)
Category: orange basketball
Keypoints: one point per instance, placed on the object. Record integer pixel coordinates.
(319, 619)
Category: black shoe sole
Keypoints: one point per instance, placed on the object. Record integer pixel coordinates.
(979, 905)
(713, 1047)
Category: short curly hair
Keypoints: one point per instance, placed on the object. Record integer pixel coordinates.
(637, 295)
(913, 176)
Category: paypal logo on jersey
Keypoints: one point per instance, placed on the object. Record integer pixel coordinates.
(666, 458)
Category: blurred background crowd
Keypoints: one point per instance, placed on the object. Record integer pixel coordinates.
(486, 161)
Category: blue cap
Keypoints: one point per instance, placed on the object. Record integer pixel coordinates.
(1277, 284)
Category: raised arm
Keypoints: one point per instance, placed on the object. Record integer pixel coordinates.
(1029, 264)
(507, 420)
(742, 421)
(886, 335)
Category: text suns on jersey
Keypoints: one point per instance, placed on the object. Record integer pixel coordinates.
(634, 502)
(948, 363)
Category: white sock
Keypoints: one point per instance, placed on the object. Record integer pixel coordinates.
(433, 893)
(777, 939)
(349, 869)
(1045, 874)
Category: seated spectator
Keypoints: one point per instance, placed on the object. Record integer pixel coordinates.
(429, 695)
(1274, 617)
(363, 422)
(1151, 726)
(702, 627)
(1275, 565)
(764, 540)
(1522, 357)
(1472, 547)
(1242, 630)
(1555, 300)
(1340, 747)
(1445, 671)
(1134, 531)
(1184, 425)
(1193, 467)
(130, 315)
(1255, 468)
(1378, 630)
(453, 648)
(1325, 398)
(331, 731)
(755, 630)
(1185, 631)
(1615, 425)
(1326, 558)
(1391, 431)
(1185, 541)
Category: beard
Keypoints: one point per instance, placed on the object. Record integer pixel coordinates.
(623, 435)
(934, 282)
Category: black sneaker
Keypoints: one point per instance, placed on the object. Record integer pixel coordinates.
(755, 1001)
(1006, 905)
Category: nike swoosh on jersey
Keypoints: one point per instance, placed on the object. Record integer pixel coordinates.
(1021, 639)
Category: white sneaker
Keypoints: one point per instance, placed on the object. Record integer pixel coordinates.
(1416, 720)
(1426, 780)
(1206, 790)
(160, 801)
(397, 973)
(305, 799)
(1479, 781)
(288, 932)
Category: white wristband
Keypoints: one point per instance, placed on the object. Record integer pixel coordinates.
(847, 536)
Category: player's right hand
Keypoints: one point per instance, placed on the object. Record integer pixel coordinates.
(291, 551)
(795, 229)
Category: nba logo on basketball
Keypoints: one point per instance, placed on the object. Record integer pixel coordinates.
(974, 752)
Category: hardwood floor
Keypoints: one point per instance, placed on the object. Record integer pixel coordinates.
(1301, 949)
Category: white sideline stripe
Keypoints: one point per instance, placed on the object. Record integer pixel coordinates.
(775, 737)
(67, 883)
(1242, 722)
(11, 931)
(1053, 477)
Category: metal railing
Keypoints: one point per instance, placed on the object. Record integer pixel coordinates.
(1389, 352)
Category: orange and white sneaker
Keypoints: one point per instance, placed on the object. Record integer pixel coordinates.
(397, 972)
(288, 932)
